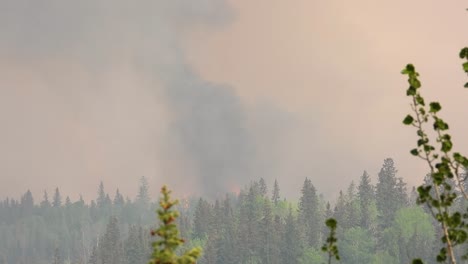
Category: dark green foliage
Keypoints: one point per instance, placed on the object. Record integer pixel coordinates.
(168, 240)
(464, 55)
(446, 182)
(330, 246)
(247, 228)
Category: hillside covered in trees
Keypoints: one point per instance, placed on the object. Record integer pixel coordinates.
(378, 223)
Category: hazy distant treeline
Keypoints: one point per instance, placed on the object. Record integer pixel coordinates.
(378, 223)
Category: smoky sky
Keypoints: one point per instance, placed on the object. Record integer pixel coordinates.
(208, 95)
(205, 137)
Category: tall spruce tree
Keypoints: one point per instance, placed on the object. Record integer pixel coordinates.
(119, 201)
(57, 202)
(101, 199)
(164, 248)
(143, 197)
(276, 193)
(292, 246)
(309, 213)
(263, 187)
(387, 194)
(110, 246)
(201, 220)
(269, 239)
(228, 244)
(366, 196)
(352, 206)
(340, 213)
(45, 203)
(135, 249)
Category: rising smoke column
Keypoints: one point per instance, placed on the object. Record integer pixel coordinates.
(211, 124)
(206, 121)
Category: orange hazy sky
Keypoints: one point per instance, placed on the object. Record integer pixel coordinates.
(317, 82)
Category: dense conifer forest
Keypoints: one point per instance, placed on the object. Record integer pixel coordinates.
(379, 222)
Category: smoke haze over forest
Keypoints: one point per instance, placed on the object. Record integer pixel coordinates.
(208, 95)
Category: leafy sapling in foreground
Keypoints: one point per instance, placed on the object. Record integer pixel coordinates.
(330, 246)
(168, 241)
(447, 182)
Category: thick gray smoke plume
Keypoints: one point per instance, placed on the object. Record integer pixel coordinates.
(210, 122)
(206, 122)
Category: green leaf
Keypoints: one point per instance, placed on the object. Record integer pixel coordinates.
(464, 53)
(466, 85)
(422, 142)
(414, 82)
(410, 67)
(465, 66)
(417, 261)
(411, 91)
(331, 223)
(408, 120)
(434, 107)
(420, 100)
(446, 146)
(414, 152)
(439, 124)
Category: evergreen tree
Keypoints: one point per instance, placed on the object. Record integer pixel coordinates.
(94, 258)
(118, 199)
(135, 247)
(269, 239)
(276, 195)
(110, 247)
(388, 194)
(45, 202)
(401, 193)
(164, 248)
(340, 212)
(57, 199)
(366, 196)
(309, 213)
(93, 211)
(352, 206)
(263, 187)
(101, 199)
(210, 255)
(27, 204)
(201, 219)
(143, 197)
(291, 247)
(67, 202)
(228, 243)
